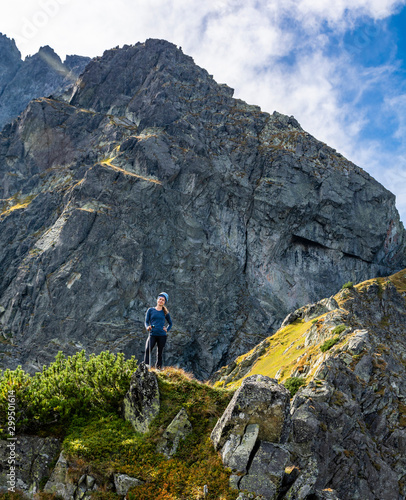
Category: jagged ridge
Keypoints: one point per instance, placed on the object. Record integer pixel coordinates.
(348, 424)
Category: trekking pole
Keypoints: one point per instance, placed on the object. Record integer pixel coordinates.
(149, 343)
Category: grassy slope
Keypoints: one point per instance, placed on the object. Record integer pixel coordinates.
(107, 444)
(286, 352)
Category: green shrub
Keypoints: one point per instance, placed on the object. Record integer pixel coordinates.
(349, 284)
(328, 344)
(338, 329)
(293, 384)
(69, 386)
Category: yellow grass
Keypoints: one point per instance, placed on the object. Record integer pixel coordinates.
(109, 163)
(287, 345)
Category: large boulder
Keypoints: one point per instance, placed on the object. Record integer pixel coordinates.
(260, 400)
(141, 403)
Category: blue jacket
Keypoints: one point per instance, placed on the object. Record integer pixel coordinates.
(157, 320)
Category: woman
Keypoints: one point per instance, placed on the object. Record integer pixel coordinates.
(155, 321)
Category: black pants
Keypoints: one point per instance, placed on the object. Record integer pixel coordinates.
(160, 340)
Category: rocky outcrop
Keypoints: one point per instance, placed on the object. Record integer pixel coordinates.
(39, 75)
(259, 401)
(148, 176)
(141, 403)
(62, 483)
(251, 433)
(175, 433)
(26, 462)
(347, 426)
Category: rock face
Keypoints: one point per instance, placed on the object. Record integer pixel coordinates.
(141, 403)
(32, 458)
(347, 427)
(150, 176)
(38, 75)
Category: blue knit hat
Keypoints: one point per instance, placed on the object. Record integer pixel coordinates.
(165, 296)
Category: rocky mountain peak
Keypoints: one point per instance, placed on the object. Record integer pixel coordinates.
(148, 81)
(148, 176)
(10, 61)
(8, 50)
(38, 75)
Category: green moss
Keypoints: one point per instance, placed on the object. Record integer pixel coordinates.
(349, 284)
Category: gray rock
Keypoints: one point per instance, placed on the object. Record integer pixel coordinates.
(311, 311)
(304, 485)
(266, 471)
(237, 450)
(59, 483)
(259, 400)
(141, 403)
(123, 483)
(177, 430)
(32, 458)
(358, 342)
(90, 482)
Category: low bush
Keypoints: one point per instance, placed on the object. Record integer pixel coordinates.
(293, 384)
(69, 386)
(328, 344)
(338, 329)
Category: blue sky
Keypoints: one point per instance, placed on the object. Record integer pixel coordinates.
(338, 66)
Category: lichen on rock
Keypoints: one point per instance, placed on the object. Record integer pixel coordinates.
(141, 403)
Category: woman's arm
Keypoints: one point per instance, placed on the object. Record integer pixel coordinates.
(169, 320)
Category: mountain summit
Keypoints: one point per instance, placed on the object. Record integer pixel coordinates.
(36, 76)
(149, 175)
